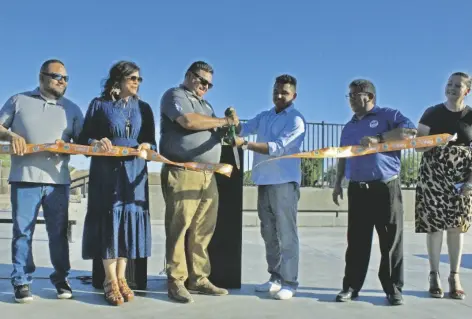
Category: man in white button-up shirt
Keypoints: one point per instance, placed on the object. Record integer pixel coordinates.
(280, 131)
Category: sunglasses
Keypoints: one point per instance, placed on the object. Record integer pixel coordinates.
(57, 76)
(203, 81)
(135, 78)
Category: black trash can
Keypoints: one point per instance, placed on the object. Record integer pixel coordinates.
(225, 248)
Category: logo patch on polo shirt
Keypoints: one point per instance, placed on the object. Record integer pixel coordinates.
(373, 123)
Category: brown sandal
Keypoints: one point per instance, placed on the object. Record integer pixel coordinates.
(453, 292)
(112, 293)
(435, 290)
(125, 290)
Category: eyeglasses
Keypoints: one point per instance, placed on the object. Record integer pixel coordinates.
(203, 81)
(135, 78)
(57, 76)
(354, 95)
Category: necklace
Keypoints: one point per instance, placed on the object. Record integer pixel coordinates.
(127, 120)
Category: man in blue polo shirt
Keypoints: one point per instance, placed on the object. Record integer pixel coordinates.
(374, 193)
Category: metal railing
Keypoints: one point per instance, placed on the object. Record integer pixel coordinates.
(322, 172)
(80, 183)
(315, 172)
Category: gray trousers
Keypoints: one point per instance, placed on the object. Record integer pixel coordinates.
(277, 208)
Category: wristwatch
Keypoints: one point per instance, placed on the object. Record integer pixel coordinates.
(244, 146)
(380, 137)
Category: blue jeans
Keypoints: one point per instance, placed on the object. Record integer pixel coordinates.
(26, 198)
(277, 207)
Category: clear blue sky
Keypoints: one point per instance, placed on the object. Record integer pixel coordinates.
(408, 48)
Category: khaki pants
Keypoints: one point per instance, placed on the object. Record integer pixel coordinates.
(191, 209)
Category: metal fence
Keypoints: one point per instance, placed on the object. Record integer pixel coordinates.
(322, 172)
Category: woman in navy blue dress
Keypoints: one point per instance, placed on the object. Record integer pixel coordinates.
(117, 224)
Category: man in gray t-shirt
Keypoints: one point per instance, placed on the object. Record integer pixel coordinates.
(40, 179)
(190, 131)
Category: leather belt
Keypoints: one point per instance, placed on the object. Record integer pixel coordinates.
(384, 181)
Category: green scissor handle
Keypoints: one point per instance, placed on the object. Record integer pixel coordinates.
(232, 129)
(231, 136)
(232, 133)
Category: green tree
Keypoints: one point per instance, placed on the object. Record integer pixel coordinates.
(247, 179)
(330, 176)
(410, 164)
(311, 171)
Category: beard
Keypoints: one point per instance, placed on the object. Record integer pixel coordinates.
(57, 93)
(281, 103)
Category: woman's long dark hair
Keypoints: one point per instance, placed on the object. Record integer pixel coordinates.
(117, 73)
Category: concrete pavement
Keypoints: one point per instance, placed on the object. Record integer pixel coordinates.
(321, 270)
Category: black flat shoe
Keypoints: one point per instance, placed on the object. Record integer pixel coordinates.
(347, 295)
(395, 299)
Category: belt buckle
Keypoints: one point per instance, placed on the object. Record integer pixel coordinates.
(364, 185)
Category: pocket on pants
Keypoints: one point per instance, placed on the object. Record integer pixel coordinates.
(395, 202)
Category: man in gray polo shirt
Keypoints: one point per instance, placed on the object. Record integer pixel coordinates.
(190, 131)
(40, 179)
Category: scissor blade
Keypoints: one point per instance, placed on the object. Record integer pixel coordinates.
(236, 157)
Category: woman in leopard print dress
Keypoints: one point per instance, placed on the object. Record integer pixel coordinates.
(444, 189)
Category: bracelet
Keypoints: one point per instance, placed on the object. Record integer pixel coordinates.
(467, 185)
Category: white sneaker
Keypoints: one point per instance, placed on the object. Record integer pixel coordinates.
(284, 294)
(269, 287)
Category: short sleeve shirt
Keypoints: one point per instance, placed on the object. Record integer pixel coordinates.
(182, 145)
(379, 166)
(39, 121)
(441, 120)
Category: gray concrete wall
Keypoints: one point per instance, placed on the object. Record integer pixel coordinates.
(316, 207)
(4, 186)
